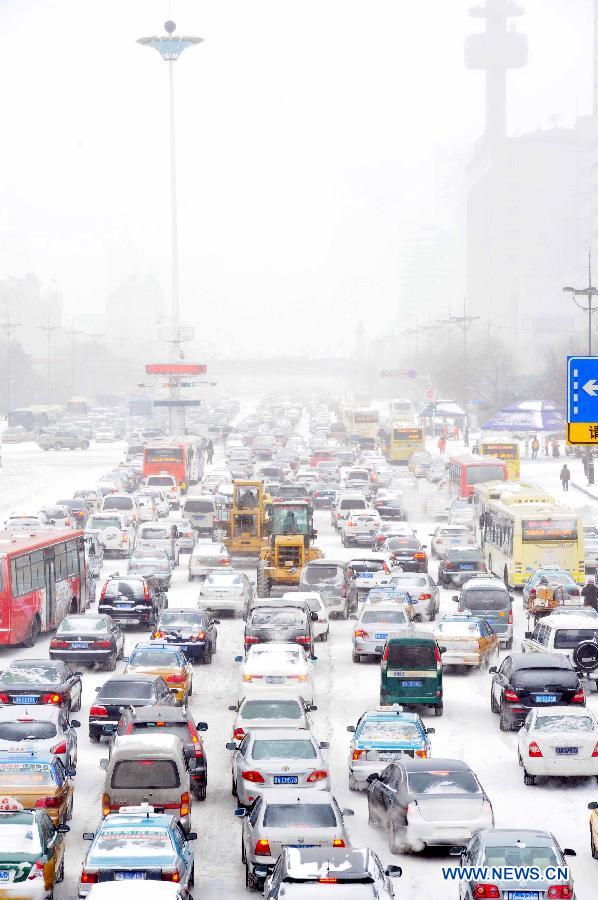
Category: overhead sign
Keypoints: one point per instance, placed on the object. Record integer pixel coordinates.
(582, 399)
(430, 393)
(175, 369)
(177, 403)
(397, 373)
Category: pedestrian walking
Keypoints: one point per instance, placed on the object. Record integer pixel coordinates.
(535, 447)
(589, 592)
(466, 436)
(546, 445)
(441, 443)
(210, 452)
(565, 477)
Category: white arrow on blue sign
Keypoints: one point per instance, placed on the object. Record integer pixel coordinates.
(582, 388)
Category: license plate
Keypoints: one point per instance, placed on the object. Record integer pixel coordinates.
(366, 575)
(286, 779)
(4, 875)
(388, 756)
(79, 645)
(275, 679)
(108, 728)
(302, 846)
(125, 876)
(566, 751)
(25, 699)
(545, 698)
(466, 567)
(412, 684)
(123, 606)
(524, 895)
(381, 636)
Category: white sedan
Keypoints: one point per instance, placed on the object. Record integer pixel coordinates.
(283, 669)
(560, 742)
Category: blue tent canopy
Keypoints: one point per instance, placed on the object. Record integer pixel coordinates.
(528, 416)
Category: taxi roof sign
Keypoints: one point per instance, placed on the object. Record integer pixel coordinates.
(10, 804)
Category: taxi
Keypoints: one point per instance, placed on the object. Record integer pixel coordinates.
(466, 640)
(382, 736)
(38, 781)
(31, 852)
(168, 662)
(389, 593)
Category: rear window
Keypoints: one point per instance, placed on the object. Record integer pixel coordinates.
(198, 506)
(131, 589)
(390, 731)
(356, 503)
(161, 658)
(385, 617)
(271, 709)
(122, 845)
(412, 656)
(179, 729)
(283, 750)
(564, 722)
(300, 815)
(485, 599)
(568, 638)
(155, 534)
(321, 574)
(181, 620)
(465, 556)
(107, 522)
(145, 773)
(33, 774)
(82, 625)
(533, 678)
(224, 578)
(126, 690)
(32, 675)
(27, 731)
(269, 616)
(442, 782)
(118, 503)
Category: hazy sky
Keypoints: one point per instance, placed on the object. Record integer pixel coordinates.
(308, 134)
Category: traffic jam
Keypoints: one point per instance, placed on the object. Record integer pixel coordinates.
(304, 649)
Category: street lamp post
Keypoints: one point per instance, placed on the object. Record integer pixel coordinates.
(170, 48)
(48, 331)
(73, 333)
(8, 327)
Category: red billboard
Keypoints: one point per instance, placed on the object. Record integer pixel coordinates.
(175, 369)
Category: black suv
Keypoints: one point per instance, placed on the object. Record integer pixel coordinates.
(193, 630)
(279, 623)
(171, 720)
(527, 680)
(132, 600)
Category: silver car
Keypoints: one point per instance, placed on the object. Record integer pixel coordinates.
(376, 625)
(277, 758)
(280, 818)
(226, 589)
(205, 557)
(266, 711)
(424, 593)
(446, 537)
(304, 873)
(39, 729)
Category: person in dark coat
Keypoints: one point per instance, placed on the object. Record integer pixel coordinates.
(210, 452)
(589, 592)
(565, 476)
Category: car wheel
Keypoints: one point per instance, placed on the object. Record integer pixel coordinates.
(77, 707)
(504, 723)
(509, 644)
(207, 657)
(353, 785)
(192, 876)
(493, 704)
(243, 854)
(201, 792)
(110, 664)
(34, 633)
(58, 445)
(190, 577)
(396, 843)
(59, 875)
(439, 709)
(356, 657)
(528, 779)
(233, 788)
(69, 812)
(94, 738)
(324, 637)
(251, 882)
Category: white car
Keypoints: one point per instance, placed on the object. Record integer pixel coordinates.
(168, 484)
(559, 742)
(114, 532)
(277, 758)
(23, 524)
(160, 499)
(124, 504)
(283, 669)
(186, 535)
(207, 556)
(226, 589)
(447, 537)
(321, 627)
(266, 711)
(105, 435)
(360, 528)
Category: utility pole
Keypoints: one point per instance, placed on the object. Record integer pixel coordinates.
(48, 331)
(464, 322)
(449, 323)
(8, 327)
(73, 333)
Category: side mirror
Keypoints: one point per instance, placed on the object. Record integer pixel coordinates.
(529, 634)
(351, 728)
(126, 659)
(313, 616)
(234, 708)
(455, 598)
(313, 708)
(324, 745)
(202, 726)
(569, 852)
(593, 805)
(230, 745)
(492, 670)
(71, 772)
(373, 777)
(192, 836)
(313, 658)
(88, 835)
(104, 764)
(75, 723)
(215, 621)
(424, 546)
(430, 731)
(63, 829)
(442, 650)
(240, 812)
(238, 659)
(393, 871)
(348, 812)
(456, 851)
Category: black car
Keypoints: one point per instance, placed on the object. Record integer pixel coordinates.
(120, 692)
(279, 623)
(390, 508)
(293, 492)
(30, 682)
(459, 564)
(526, 680)
(132, 600)
(323, 495)
(88, 639)
(407, 552)
(193, 630)
(171, 720)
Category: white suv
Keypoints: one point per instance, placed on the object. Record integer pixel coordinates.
(114, 531)
(168, 484)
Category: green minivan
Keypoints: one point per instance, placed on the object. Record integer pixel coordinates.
(411, 672)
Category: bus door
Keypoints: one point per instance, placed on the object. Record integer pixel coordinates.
(50, 585)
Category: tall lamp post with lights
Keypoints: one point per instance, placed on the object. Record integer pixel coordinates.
(170, 47)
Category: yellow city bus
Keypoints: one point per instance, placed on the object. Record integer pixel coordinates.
(405, 440)
(359, 420)
(520, 537)
(507, 451)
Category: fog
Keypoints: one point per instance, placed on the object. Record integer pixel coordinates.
(322, 152)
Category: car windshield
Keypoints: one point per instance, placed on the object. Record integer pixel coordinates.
(145, 773)
(321, 574)
(568, 638)
(281, 749)
(367, 565)
(390, 731)
(26, 730)
(118, 503)
(271, 709)
(443, 782)
(552, 578)
(164, 659)
(132, 843)
(125, 690)
(20, 838)
(180, 619)
(453, 533)
(299, 815)
(97, 524)
(32, 674)
(385, 617)
(179, 729)
(199, 506)
(564, 722)
(532, 678)
(32, 774)
(149, 563)
(269, 616)
(402, 543)
(412, 656)
(224, 578)
(481, 598)
(82, 625)
(521, 854)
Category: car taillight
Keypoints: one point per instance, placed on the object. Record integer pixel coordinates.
(55, 644)
(59, 748)
(224, 562)
(157, 634)
(185, 804)
(175, 679)
(251, 639)
(532, 593)
(485, 890)
(578, 697)
(386, 649)
(510, 619)
(357, 754)
(239, 734)
(253, 776)
(170, 875)
(37, 870)
(419, 556)
(360, 633)
(98, 712)
(89, 877)
(146, 593)
(101, 645)
(338, 842)
(534, 750)
(318, 775)
(47, 803)
(262, 847)
(247, 677)
(200, 636)
(425, 596)
(510, 696)
(560, 891)
(106, 807)
(595, 750)
(450, 565)
(422, 754)
(303, 639)
(125, 536)
(103, 591)
(52, 698)
(4, 698)
(437, 656)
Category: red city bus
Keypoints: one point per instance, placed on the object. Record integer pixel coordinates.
(181, 457)
(467, 471)
(42, 579)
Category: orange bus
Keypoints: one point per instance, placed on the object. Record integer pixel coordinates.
(181, 457)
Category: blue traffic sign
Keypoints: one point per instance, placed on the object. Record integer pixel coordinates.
(582, 389)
